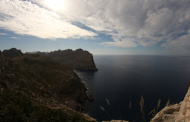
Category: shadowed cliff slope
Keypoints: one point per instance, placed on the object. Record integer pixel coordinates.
(79, 59)
(34, 88)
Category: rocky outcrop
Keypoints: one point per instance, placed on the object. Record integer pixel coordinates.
(175, 113)
(184, 112)
(79, 59)
(12, 53)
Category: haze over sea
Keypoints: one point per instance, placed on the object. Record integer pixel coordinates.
(122, 79)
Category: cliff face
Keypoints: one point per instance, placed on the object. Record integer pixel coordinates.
(78, 59)
(175, 113)
(34, 88)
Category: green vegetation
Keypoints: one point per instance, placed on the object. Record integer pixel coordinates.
(34, 88)
(17, 107)
(49, 78)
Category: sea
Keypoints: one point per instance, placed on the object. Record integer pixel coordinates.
(122, 81)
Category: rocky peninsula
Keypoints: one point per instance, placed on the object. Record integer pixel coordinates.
(79, 59)
(35, 88)
(76, 59)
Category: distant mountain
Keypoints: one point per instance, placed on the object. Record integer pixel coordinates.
(12, 53)
(79, 59)
(35, 88)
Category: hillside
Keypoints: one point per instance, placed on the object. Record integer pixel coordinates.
(79, 59)
(34, 88)
(12, 53)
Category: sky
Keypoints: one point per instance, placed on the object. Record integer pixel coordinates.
(103, 27)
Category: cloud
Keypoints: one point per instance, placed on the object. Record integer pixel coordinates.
(26, 18)
(2, 34)
(123, 43)
(182, 42)
(130, 23)
(134, 23)
(147, 22)
(179, 46)
(14, 37)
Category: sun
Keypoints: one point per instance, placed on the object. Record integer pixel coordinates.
(55, 4)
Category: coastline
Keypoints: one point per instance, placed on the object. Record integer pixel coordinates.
(43, 85)
(90, 96)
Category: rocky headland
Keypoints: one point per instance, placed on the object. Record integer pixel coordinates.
(79, 59)
(76, 59)
(35, 88)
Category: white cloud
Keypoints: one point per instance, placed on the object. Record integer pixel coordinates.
(14, 37)
(189, 31)
(2, 34)
(25, 18)
(148, 22)
(182, 42)
(179, 46)
(123, 43)
(130, 23)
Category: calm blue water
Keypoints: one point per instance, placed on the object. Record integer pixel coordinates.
(122, 79)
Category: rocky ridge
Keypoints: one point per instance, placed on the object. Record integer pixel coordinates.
(34, 88)
(79, 59)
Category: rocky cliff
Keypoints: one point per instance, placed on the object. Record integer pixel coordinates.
(34, 88)
(175, 113)
(79, 59)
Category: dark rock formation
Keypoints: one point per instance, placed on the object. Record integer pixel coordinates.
(78, 59)
(12, 53)
(34, 88)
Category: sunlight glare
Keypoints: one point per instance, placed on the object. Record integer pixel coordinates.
(55, 4)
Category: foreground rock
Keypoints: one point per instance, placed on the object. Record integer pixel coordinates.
(79, 59)
(175, 113)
